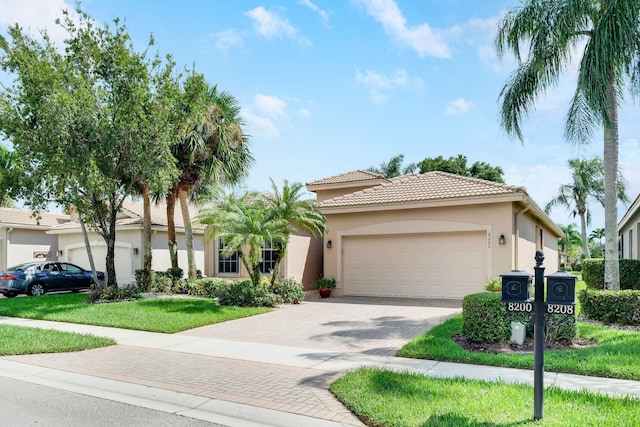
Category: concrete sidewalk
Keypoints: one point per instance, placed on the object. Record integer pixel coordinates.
(237, 383)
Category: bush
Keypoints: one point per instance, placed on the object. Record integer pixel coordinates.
(559, 329)
(112, 293)
(494, 285)
(243, 294)
(484, 318)
(593, 273)
(290, 291)
(211, 287)
(323, 283)
(617, 307)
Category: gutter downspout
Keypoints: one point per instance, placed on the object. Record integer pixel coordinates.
(517, 233)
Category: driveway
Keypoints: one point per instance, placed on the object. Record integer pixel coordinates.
(365, 325)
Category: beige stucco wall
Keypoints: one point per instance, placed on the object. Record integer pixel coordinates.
(18, 245)
(533, 235)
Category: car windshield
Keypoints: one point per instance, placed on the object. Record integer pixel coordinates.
(21, 267)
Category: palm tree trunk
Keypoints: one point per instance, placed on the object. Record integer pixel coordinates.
(585, 242)
(611, 266)
(188, 232)
(171, 228)
(148, 256)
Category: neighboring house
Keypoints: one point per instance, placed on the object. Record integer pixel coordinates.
(303, 261)
(23, 238)
(129, 241)
(434, 235)
(628, 229)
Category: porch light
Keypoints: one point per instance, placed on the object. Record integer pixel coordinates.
(502, 240)
(135, 251)
(59, 252)
(328, 244)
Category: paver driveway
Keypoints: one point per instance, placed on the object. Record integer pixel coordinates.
(377, 326)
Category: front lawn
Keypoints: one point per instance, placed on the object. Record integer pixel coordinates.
(21, 340)
(390, 399)
(168, 315)
(616, 355)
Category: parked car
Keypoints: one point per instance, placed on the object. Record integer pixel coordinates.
(36, 278)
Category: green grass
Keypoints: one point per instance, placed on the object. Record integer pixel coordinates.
(384, 398)
(166, 315)
(616, 355)
(20, 340)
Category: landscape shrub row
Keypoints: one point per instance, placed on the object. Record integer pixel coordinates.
(593, 273)
(485, 319)
(611, 307)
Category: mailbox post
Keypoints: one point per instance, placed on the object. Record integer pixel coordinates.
(538, 339)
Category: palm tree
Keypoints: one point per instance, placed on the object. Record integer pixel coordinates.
(287, 205)
(213, 149)
(394, 168)
(245, 225)
(604, 34)
(587, 176)
(597, 233)
(571, 239)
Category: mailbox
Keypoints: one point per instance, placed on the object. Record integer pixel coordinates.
(517, 286)
(561, 288)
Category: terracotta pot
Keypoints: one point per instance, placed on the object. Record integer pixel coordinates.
(324, 293)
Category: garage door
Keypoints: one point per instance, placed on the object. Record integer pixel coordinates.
(431, 265)
(123, 261)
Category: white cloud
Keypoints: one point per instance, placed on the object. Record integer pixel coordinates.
(459, 106)
(270, 24)
(423, 39)
(267, 116)
(271, 106)
(228, 39)
(303, 113)
(260, 125)
(381, 85)
(323, 13)
(35, 15)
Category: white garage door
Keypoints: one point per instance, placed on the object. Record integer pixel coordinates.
(123, 261)
(431, 265)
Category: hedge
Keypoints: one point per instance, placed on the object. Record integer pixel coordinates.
(611, 307)
(593, 273)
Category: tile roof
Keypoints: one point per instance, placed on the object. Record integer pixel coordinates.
(23, 217)
(353, 176)
(422, 187)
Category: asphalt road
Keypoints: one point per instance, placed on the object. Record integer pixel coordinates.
(28, 404)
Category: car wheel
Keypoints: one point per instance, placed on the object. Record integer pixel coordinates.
(36, 289)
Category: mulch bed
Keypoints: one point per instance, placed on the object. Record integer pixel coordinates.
(506, 347)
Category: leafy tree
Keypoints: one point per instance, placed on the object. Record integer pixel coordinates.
(287, 205)
(587, 183)
(393, 167)
(570, 242)
(213, 149)
(245, 224)
(551, 31)
(458, 166)
(85, 121)
(9, 177)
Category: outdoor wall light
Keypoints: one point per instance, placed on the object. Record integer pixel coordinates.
(135, 251)
(502, 240)
(328, 244)
(59, 252)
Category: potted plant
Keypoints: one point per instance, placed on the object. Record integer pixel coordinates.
(324, 286)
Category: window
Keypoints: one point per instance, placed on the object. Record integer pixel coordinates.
(229, 264)
(268, 259)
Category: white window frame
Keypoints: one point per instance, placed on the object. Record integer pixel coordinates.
(227, 261)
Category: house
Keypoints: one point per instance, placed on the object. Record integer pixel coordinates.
(23, 236)
(628, 229)
(432, 235)
(129, 241)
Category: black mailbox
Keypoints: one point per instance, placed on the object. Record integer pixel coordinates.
(517, 286)
(561, 288)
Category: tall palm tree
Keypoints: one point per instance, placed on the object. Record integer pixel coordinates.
(603, 36)
(245, 225)
(288, 206)
(597, 233)
(587, 183)
(214, 148)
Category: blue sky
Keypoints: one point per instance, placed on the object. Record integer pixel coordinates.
(329, 86)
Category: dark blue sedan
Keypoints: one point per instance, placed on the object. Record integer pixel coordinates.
(36, 278)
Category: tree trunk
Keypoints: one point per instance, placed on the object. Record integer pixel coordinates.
(87, 246)
(585, 242)
(611, 266)
(188, 232)
(111, 249)
(148, 257)
(171, 228)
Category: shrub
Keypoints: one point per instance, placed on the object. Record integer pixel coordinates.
(494, 285)
(243, 294)
(559, 329)
(210, 287)
(484, 318)
(175, 272)
(617, 307)
(112, 293)
(593, 273)
(323, 283)
(290, 291)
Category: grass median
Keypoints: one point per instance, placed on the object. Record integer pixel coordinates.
(18, 340)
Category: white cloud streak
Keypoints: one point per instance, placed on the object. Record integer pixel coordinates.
(380, 85)
(270, 24)
(323, 14)
(457, 107)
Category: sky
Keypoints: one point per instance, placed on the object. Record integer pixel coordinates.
(328, 87)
